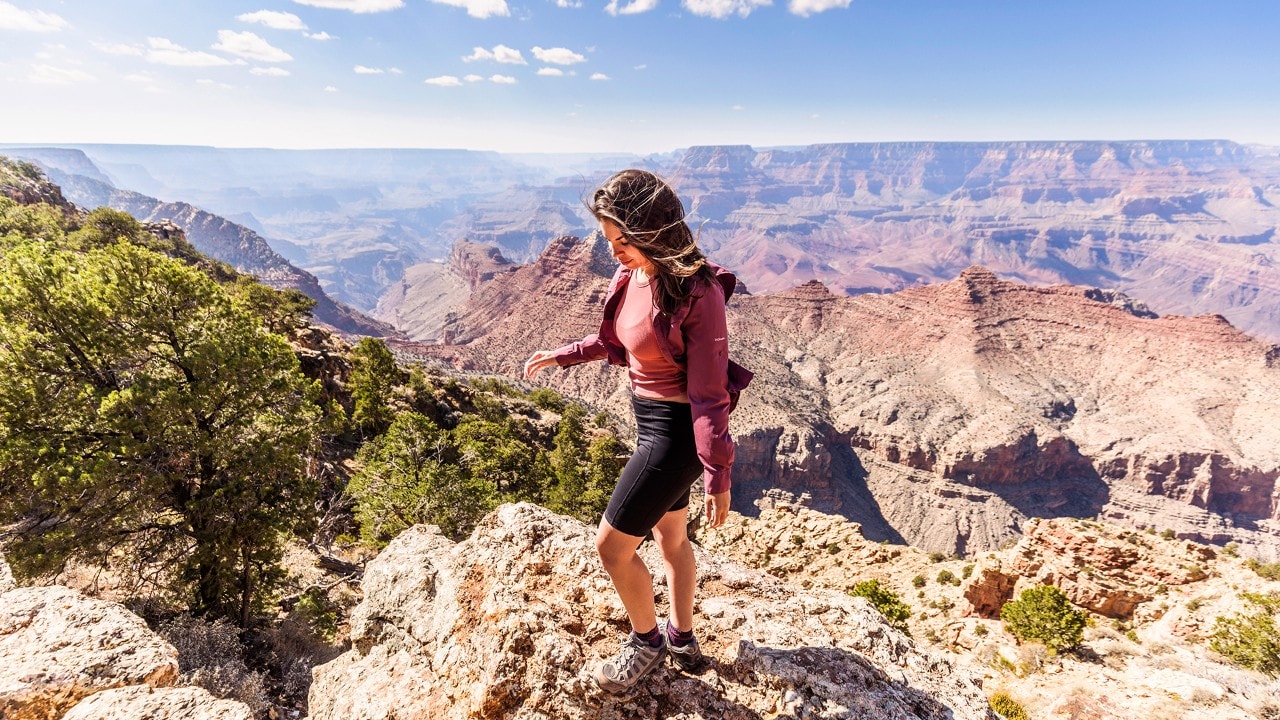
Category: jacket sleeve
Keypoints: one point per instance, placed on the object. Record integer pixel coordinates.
(588, 348)
(706, 338)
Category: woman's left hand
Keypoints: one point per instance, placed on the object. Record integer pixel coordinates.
(717, 509)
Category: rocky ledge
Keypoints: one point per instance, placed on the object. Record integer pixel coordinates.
(506, 624)
(64, 655)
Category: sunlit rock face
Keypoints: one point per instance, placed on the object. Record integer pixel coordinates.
(508, 623)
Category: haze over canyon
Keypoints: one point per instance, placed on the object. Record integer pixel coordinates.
(1046, 379)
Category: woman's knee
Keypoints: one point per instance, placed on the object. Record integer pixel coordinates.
(672, 544)
(613, 546)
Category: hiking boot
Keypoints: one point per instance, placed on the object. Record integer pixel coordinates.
(636, 659)
(688, 658)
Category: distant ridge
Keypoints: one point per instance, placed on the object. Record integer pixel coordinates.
(212, 235)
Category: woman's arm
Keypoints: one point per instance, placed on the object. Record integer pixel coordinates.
(706, 338)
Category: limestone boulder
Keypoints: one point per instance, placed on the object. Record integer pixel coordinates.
(508, 624)
(58, 646)
(143, 702)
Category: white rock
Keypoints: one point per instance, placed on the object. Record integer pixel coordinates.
(507, 624)
(58, 646)
(143, 702)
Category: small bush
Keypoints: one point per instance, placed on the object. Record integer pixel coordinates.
(1231, 549)
(936, 557)
(1044, 614)
(919, 581)
(319, 612)
(886, 601)
(211, 656)
(967, 572)
(980, 630)
(1008, 707)
(946, 577)
(1267, 571)
(1195, 604)
(1133, 636)
(1169, 534)
(1252, 639)
(548, 399)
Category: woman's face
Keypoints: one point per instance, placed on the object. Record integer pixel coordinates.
(627, 254)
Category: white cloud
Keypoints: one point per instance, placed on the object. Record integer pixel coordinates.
(639, 67)
(551, 72)
(321, 36)
(569, 3)
(249, 45)
(721, 9)
(503, 79)
(270, 71)
(274, 20)
(805, 8)
(330, 89)
(50, 75)
(166, 52)
(395, 71)
(139, 78)
(362, 70)
(479, 8)
(499, 53)
(599, 76)
(118, 49)
(14, 18)
(214, 84)
(558, 56)
(473, 78)
(355, 6)
(635, 7)
(443, 81)
(737, 108)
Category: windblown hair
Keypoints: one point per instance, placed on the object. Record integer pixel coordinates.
(651, 218)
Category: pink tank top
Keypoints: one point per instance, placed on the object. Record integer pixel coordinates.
(652, 375)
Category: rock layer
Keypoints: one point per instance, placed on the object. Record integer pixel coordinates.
(1101, 569)
(507, 623)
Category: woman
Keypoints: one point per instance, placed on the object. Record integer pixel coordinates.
(664, 319)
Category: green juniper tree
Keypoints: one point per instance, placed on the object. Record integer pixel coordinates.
(374, 376)
(1044, 614)
(143, 413)
(410, 475)
(568, 456)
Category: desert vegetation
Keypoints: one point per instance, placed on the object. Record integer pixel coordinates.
(177, 426)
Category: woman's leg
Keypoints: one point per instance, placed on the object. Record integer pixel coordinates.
(629, 574)
(672, 535)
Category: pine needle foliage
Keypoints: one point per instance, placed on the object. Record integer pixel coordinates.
(1251, 639)
(145, 413)
(1044, 614)
(886, 601)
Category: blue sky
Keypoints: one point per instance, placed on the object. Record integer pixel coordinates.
(633, 75)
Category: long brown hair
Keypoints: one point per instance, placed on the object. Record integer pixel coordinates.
(651, 218)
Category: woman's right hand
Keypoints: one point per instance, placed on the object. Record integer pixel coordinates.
(539, 360)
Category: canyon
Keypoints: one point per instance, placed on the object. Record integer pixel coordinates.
(943, 416)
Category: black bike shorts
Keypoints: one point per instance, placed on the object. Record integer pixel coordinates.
(656, 479)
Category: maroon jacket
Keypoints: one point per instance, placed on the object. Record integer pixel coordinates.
(695, 338)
